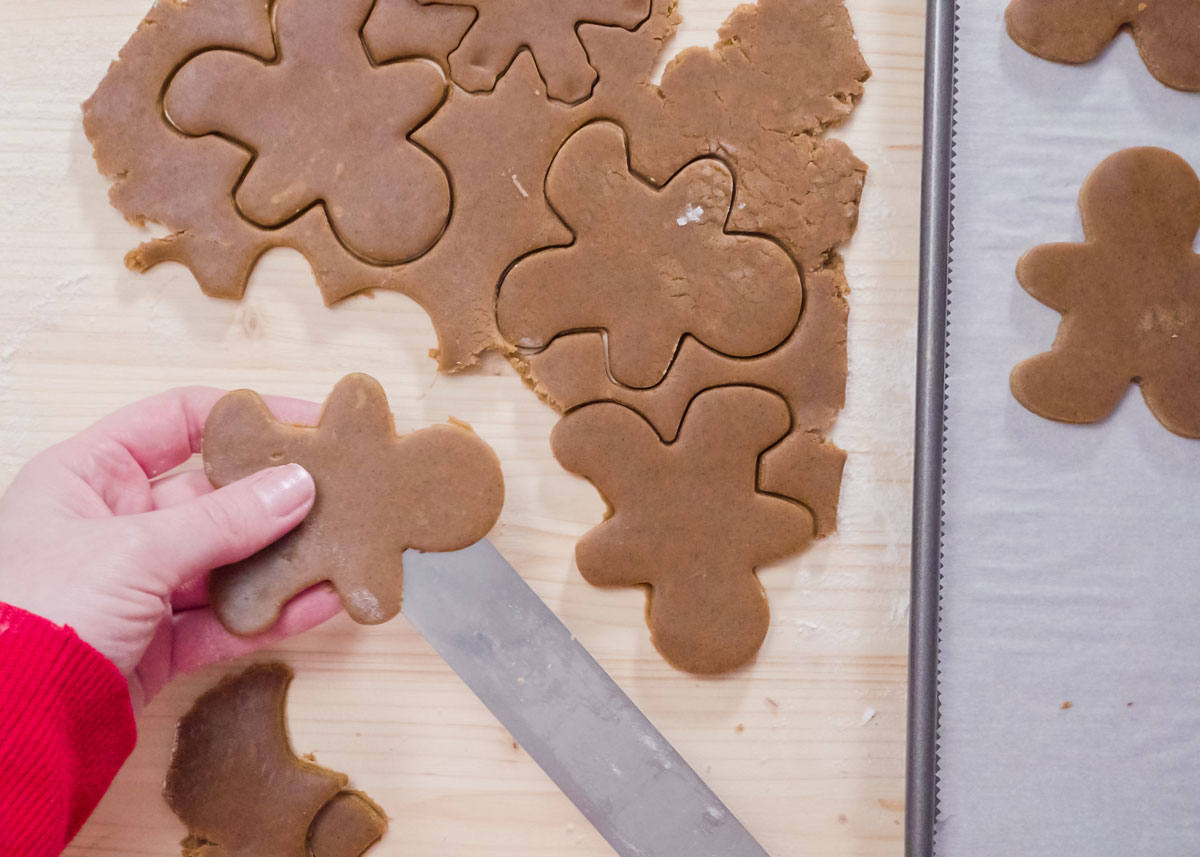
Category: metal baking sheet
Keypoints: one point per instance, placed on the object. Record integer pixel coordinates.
(1056, 684)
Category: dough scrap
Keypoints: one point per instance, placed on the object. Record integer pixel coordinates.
(346, 826)
(237, 784)
(387, 200)
(802, 189)
(1129, 296)
(688, 519)
(547, 29)
(808, 370)
(1167, 33)
(378, 494)
(648, 266)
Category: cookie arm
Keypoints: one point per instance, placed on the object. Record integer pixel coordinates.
(235, 418)
(66, 727)
(1058, 275)
(456, 488)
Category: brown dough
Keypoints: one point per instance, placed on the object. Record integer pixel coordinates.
(378, 494)
(403, 29)
(1129, 296)
(647, 265)
(500, 210)
(235, 781)
(346, 826)
(184, 182)
(1167, 33)
(808, 370)
(781, 73)
(801, 189)
(688, 519)
(547, 29)
(386, 199)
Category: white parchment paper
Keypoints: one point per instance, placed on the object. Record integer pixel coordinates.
(1072, 553)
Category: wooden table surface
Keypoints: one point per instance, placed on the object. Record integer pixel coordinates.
(806, 746)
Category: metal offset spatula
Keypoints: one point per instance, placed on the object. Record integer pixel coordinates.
(564, 709)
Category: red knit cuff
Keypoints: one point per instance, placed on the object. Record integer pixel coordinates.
(66, 727)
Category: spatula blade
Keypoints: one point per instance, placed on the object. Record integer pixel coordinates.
(564, 709)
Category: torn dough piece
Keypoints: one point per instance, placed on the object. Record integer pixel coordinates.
(1167, 33)
(648, 266)
(378, 494)
(1129, 296)
(346, 826)
(241, 790)
(688, 519)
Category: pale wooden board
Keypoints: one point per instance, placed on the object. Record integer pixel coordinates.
(819, 773)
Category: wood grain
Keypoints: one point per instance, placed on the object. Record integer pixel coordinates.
(806, 746)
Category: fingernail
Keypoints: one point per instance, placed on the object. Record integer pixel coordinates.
(285, 489)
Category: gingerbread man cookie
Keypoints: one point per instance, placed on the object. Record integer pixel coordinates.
(325, 126)
(378, 494)
(1167, 33)
(688, 518)
(808, 370)
(648, 266)
(548, 29)
(241, 790)
(1129, 296)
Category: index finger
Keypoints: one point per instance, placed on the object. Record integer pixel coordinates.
(163, 431)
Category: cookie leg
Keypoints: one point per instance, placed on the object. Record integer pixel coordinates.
(248, 595)
(1173, 396)
(709, 622)
(1066, 386)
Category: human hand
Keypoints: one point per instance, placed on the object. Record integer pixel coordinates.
(92, 536)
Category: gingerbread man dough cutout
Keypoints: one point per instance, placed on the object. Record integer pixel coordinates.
(648, 266)
(378, 494)
(1129, 296)
(1167, 33)
(688, 519)
(240, 788)
(325, 126)
(548, 28)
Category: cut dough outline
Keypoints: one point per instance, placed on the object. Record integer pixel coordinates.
(443, 64)
(252, 153)
(525, 48)
(138, 184)
(758, 489)
(750, 565)
(519, 353)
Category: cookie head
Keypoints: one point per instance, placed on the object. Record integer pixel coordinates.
(1145, 195)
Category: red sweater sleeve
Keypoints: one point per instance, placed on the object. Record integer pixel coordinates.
(66, 727)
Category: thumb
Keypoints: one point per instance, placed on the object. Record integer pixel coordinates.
(224, 526)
